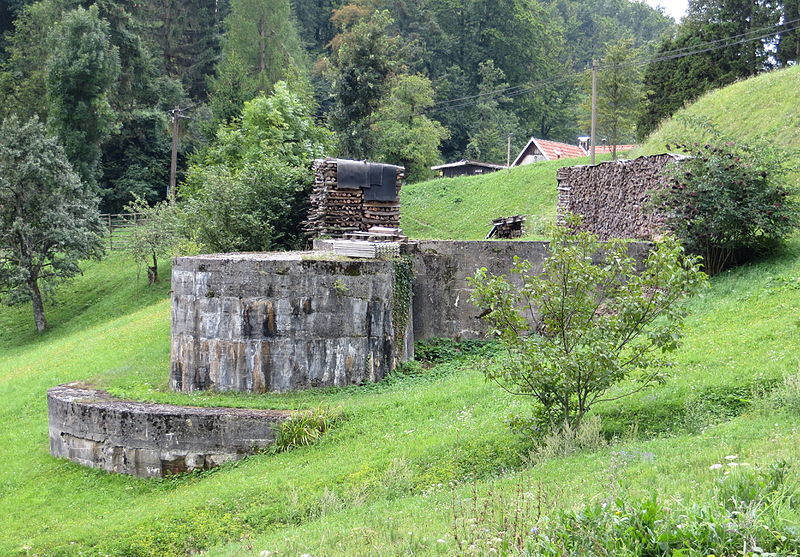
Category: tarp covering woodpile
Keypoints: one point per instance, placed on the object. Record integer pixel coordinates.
(349, 196)
(612, 197)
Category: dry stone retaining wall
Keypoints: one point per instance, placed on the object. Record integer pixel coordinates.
(94, 429)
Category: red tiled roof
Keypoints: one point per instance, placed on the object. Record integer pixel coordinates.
(598, 149)
(555, 150)
(552, 150)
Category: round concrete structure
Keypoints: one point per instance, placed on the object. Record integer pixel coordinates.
(260, 322)
(90, 427)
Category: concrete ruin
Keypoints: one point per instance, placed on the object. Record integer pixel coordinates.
(260, 322)
(90, 427)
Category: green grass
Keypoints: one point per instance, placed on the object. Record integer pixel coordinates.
(765, 106)
(406, 448)
(463, 208)
(385, 480)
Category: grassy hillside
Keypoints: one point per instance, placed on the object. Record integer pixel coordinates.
(463, 208)
(765, 106)
(384, 481)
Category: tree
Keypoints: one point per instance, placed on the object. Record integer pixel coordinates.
(156, 233)
(48, 218)
(261, 46)
(587, 322)
(491, 121)
(671, 82)
(81, 72)
(362, 62)
(618, 94)
(403, 134)
(248, 190)
(728, 202)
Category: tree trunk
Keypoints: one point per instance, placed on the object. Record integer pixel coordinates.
(38, 306)
(152, 272)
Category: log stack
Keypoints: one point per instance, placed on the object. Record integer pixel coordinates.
(506, 228)
(612, 197)
(335, 212)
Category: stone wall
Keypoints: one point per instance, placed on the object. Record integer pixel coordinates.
(92, 428)
(611, 197)
(281, 321)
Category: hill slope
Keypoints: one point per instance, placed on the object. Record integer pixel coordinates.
(382, 481)
(765, 106)
(463, 208)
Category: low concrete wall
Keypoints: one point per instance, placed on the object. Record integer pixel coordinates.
(261, 322)
(92, 428)
(441, 292)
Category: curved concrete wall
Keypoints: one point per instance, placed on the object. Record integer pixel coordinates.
(94, 429)
(280, 321)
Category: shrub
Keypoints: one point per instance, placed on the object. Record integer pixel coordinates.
(586, 322)
(155, 233)
(728, 201)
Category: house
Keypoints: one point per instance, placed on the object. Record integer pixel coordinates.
(585, 142)
(465, 168)
(538, 150)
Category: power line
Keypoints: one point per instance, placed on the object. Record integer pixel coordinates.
(516, 90)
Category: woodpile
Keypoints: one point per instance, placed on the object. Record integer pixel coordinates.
(336, 211)
(507, 227)
(612, 197)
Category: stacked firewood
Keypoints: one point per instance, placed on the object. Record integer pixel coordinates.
(335, 211)
(507, 227)
(612, 198)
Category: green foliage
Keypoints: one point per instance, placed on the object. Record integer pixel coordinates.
(48, 218)
(403, 134)
(670, 83)
(618, 94)
(728, 202)
(402, 295)
(362, 62)
(155, 233)
(260, 166)
(304, 428)
(489, 131)
(743, 514)
(589, 320)
(435, 351)
(81, 71)
(261, 46)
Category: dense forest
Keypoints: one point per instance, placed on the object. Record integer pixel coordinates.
(412, 82)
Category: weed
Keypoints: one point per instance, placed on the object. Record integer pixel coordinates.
(340, 287)
(304, 429)
(563, 442)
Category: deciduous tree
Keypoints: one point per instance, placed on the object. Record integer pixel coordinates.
(586, 322)
(48, 217)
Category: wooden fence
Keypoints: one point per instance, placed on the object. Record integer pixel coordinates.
(118, 227)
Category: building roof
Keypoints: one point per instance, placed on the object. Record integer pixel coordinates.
(598, 149)
(468, 162)
(552, 150)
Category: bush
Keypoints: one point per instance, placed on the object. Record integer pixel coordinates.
(728, 201)
(586, 322)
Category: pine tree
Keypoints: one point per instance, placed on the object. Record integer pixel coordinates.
(261, 46)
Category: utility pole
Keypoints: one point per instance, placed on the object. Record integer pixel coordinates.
(175, 117)
(594, 107)
(508, 158)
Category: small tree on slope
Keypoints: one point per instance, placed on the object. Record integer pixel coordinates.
(48, 218)
(580, 327)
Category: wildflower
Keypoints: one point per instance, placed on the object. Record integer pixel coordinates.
(732, 457)
(733, 464)
(716, 466)
(440, 540)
